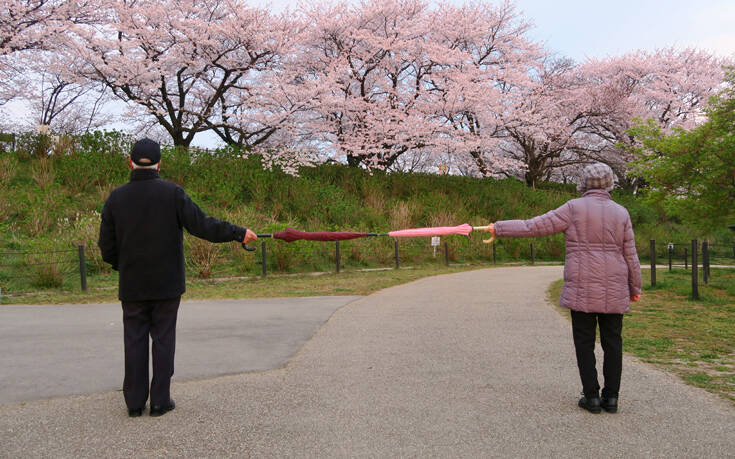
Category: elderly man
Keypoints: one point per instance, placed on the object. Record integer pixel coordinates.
(141, 237)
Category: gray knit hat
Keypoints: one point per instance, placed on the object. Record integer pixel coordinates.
(597, 176)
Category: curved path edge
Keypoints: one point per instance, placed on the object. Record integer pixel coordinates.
(472, 364)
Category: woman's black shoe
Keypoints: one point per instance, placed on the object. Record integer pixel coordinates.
(591, 404)
(157, 410)
(135, 413)
(609, 404)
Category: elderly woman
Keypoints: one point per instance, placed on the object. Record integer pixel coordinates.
(602, 276)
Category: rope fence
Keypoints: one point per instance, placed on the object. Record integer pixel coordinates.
(49, 271)
(691, 256)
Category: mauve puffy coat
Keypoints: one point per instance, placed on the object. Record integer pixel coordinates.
(602, 270)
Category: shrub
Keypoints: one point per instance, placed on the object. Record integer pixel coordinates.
(203, 256)
(83, 229)
(42, 172)
(8, 169)
(49, 276)
(97, 161)
(47, 265)
(31, 145)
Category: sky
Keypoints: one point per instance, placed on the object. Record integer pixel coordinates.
(597, 28)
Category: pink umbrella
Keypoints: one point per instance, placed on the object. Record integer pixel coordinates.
(436, 231)
(464, 229)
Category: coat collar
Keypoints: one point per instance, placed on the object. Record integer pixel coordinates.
(597, 193)
(143, 174)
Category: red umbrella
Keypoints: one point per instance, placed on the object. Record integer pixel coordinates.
(290, 235)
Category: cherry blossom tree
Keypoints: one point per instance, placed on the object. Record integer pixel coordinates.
(369, 62)
(37, 24)
(178, 60)
(488, 60)
(388, 84)
(667, 85)
(580, 113)
(542, 126)
(68, 107)
(33, 25)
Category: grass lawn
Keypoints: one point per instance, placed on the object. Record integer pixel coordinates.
(694, 339)
(104, 288)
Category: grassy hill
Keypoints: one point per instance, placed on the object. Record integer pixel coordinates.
(51, 203)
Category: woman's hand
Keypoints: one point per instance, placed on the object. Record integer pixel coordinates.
(490, 229)
(635, 298)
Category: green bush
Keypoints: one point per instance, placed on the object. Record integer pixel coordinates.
(98, 160)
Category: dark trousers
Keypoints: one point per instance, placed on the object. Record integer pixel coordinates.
(584, 329)
(140, 319)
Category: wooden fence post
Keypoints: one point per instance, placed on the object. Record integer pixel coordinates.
(337, 254)
(395, 242)
(82, 268)
(695, 287)
(263, 258)
(705, 261)
(653, 262)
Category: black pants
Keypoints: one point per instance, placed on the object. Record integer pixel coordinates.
(584, 329)
(141, 318)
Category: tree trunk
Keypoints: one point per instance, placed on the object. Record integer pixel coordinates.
(481, 165)
(353, 160)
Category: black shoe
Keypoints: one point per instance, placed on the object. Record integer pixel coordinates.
(135, 413)
(158, 410)
(591, 404)
(609, 404)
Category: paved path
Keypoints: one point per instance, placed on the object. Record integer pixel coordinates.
(472, 364)
(50, 351)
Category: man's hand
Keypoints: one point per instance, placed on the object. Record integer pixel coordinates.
(635, 298)
(249, 237)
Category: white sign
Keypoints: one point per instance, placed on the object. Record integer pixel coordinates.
(435, 241)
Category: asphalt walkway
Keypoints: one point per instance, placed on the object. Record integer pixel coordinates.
(52, 351)
(473, 364)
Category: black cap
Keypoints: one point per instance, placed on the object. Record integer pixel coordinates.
(146, 152)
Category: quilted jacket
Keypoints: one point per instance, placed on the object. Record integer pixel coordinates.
(602, 270)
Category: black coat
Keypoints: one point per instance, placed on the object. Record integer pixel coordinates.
(141, 235)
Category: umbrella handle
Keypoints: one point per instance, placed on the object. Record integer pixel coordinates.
(252, 249)
(484, 241)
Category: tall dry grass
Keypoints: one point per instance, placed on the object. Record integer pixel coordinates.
(203, 256)
(402, 215)
(376, 201)
(8, 169)
(444, 217)
(42, 172)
